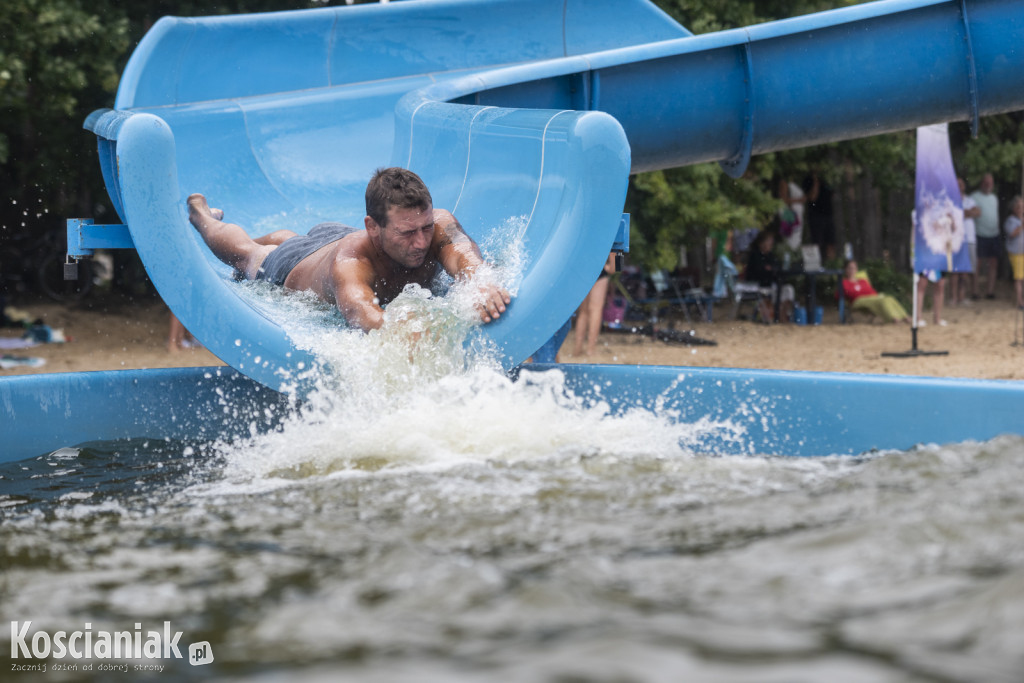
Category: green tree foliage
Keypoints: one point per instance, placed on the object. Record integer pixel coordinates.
(666, 205)
(57, 59)
(998, 149)
(704, 16)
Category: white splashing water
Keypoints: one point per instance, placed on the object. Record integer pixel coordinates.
(416, 394)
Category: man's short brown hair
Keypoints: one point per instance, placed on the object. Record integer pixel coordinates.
(398, 187)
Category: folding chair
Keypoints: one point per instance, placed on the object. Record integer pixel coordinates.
(728, 284)
(671, 292)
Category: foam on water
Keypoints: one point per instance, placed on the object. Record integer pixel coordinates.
(426, 391)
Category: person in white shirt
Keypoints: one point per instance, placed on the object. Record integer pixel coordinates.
(964, 285)
(987, 230)
(791, 216)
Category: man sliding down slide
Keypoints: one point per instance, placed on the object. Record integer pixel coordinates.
(405, 241)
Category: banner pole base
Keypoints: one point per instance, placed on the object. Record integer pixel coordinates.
(914, 351)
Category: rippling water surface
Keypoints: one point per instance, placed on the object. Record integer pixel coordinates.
(581, 564)
(434, 521)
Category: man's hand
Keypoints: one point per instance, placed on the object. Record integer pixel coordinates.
(492, 302)
(460, 257)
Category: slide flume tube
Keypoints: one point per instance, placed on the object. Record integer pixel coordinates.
(855, 72)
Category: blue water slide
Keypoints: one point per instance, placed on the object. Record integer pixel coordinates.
(535, 110)
(41, 413)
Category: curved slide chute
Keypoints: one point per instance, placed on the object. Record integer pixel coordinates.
(508, 109)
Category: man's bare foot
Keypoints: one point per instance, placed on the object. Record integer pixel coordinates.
(199, 211)
(229, 242)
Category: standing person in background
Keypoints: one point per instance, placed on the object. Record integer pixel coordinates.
(987, 228)
(591, 312)
(819, 215)
(791, 216)
(1014, 229)
(964, 285)
(938, 297)
(178, 337)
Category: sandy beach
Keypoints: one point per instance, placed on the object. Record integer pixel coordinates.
(984, 340)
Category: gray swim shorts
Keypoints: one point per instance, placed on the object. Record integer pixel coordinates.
(280, 262)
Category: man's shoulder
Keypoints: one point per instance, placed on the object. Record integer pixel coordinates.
(443, 219)
(355, 246)
(357, 239)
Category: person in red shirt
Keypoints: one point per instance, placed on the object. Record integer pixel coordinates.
(863, 297)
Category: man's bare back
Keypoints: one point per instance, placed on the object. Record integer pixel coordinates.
(362, 271)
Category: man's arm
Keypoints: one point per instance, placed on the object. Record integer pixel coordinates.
(460, 257)
(352, 281)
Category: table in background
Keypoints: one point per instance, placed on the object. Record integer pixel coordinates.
(811, 276)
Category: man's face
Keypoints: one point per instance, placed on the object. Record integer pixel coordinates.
(408, 235)
(987, 183)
